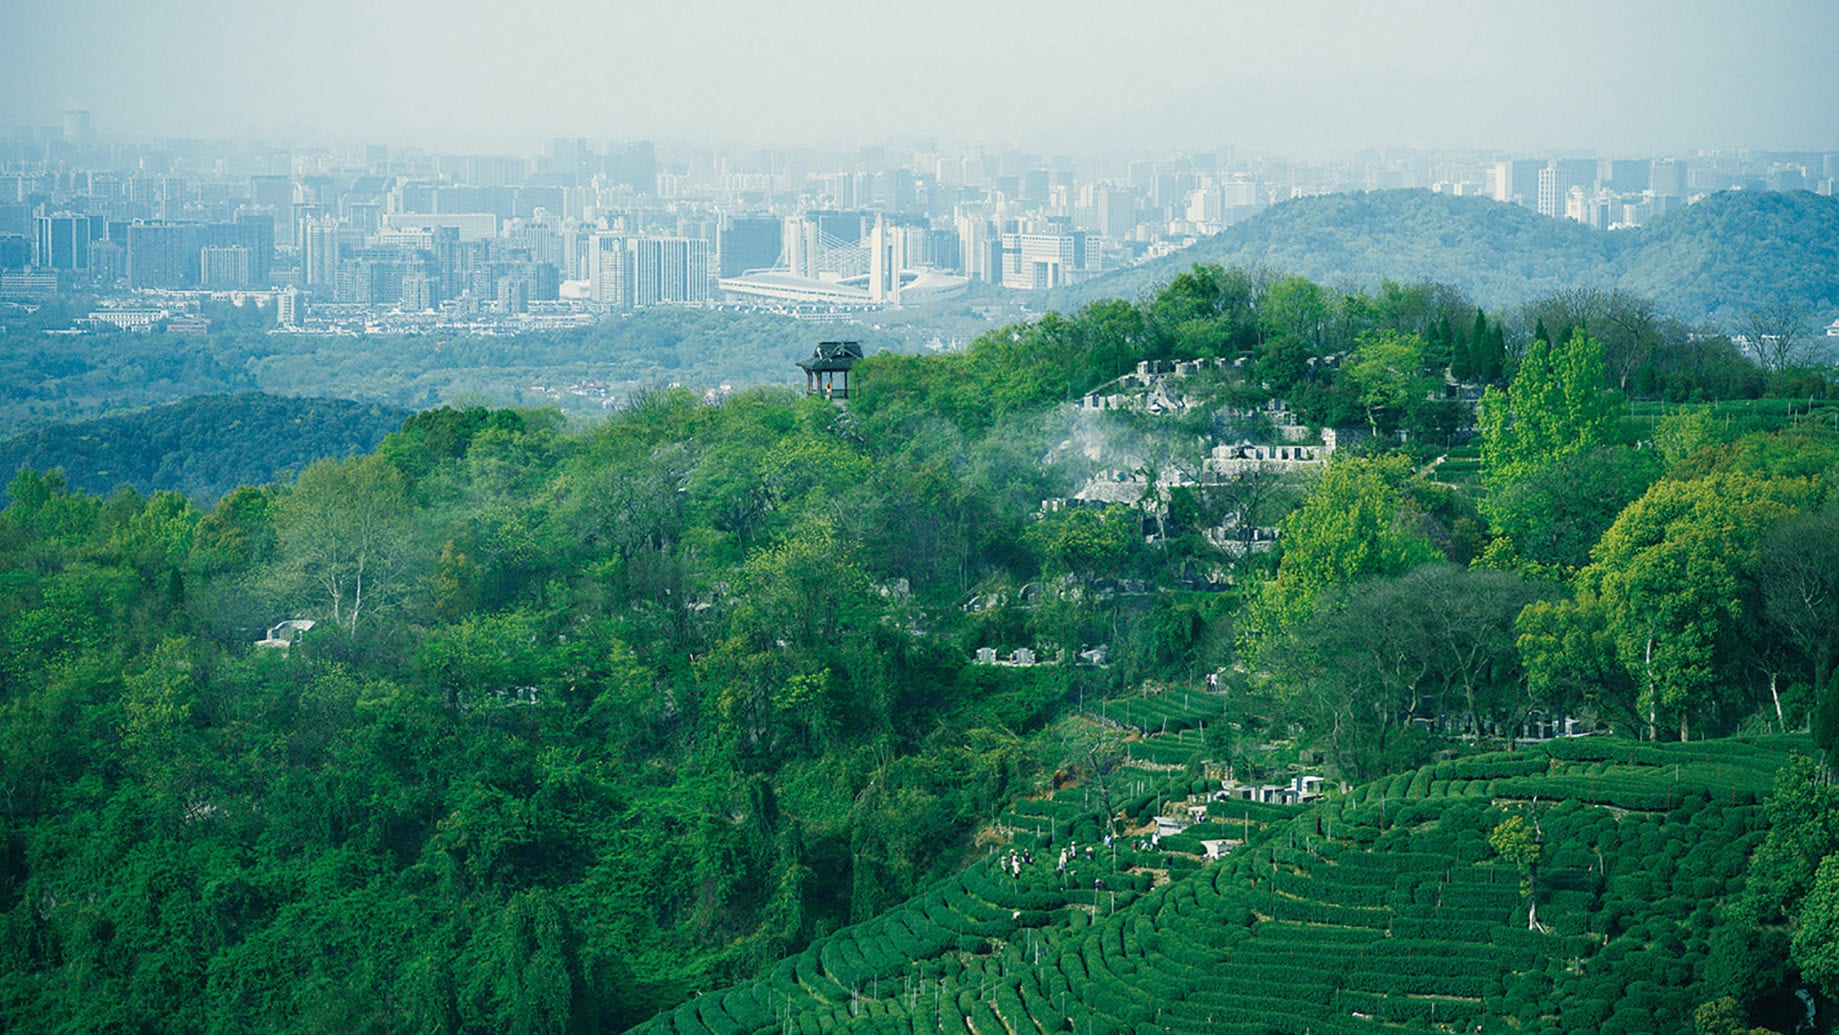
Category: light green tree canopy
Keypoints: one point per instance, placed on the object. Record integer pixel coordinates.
(1387, 368)
(1556, 406)
(1815, 947)
(1675, 581)
(1517, 842)
(346, 537)
(1079, 540)
(1356, 523)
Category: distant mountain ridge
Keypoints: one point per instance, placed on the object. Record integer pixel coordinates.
(203, 446)
(1709, 262)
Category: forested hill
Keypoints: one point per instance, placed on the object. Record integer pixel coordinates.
(1714, 260)
(1738, 250)
(204, 446)
(590, 721)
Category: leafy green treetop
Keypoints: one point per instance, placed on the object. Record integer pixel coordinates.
(1517, 842)
(1387, 370)
(1556, 405)
(1354, 525)
(1675, 579)
(346, 536)
(1815, 946)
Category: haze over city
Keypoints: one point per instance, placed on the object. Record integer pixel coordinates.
(1299, 77)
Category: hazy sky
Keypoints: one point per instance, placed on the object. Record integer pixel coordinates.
(1323, 76)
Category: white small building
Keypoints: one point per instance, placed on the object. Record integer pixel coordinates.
(285, 634)
(1218, 847)
(1166, 826)
(128, 319)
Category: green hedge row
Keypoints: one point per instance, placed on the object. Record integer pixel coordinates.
(1301, 934)
(1402, 1009)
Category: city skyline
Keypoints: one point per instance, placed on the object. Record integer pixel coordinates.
(1302, 78)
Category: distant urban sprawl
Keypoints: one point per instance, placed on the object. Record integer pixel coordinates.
(381, 239)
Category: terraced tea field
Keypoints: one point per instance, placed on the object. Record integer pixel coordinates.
(1383, 909)
(1170, 711)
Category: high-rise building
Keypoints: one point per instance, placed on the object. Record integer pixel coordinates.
(1626, 175)
(801, 246)
(893, 189)
(1114, 211)
(225, 266)
(164, 255)
(1033, 261)
(1554, 189)
(108, 260)
(633, 164)
(669, 270)
(287, 308)
(538, 239)
(1786, 177)
(276, 192)
(1599, 208)
(174, 192)
(1667, 177)
(609, 270)
(254, 231)
(750, 243)
(1206, 205)
(1516, 181)
(15, 251)
(942, 249)
(886, 259)
(513, 294)
(1035, 184)
(320, 252)
(61, 242)
(420, 292)
(575, 242)
(16, 218)
(975, 247)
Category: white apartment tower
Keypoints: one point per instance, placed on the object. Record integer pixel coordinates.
(886, 259)
(609, 270)
(669, 269)
(287, 308)
(1554, 188)
(319, 264)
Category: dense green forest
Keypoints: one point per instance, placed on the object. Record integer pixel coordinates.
(202, 447)
(1716, 261)
(590, 722)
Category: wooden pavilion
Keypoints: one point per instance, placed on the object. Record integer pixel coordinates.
(827, 369)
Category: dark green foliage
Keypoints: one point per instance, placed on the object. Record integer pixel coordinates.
(202, 447)
(1558, 513)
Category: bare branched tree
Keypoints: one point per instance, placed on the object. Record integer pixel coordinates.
(1773, 335)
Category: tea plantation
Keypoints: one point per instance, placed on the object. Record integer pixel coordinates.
(1389, 907)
